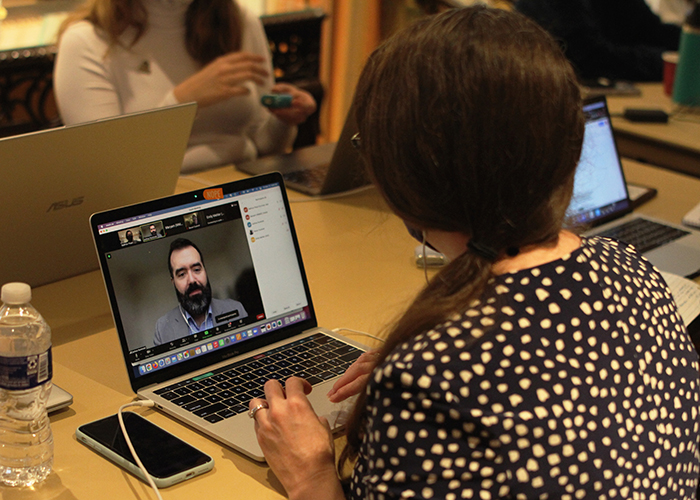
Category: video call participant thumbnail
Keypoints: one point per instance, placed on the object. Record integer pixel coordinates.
(197, 310)
(152, 231)
(130, 237)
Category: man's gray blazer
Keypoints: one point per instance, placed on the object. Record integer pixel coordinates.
(172, 325)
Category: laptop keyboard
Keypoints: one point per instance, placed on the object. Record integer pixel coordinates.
(644, 234)
(311, 177)
(225, 392)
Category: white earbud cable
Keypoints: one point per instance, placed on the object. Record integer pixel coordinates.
(131, 446)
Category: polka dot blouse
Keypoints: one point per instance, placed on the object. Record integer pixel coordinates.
(574, 380)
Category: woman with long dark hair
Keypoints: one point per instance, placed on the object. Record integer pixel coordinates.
(122, 56)
(538, 363)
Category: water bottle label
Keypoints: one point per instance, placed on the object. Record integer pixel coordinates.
(25, 372)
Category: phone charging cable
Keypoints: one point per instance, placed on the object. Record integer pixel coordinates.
(146, 474)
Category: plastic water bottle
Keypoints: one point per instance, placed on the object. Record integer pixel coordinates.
(26, 442)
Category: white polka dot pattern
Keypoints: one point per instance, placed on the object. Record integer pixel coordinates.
(572, 380)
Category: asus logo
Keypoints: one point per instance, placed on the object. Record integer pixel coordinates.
(58, 205)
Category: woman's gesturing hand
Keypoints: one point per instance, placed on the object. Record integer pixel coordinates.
(355, 377)
(223, 78)
(303, 104)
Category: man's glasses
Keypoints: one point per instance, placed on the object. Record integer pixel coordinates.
(356, 141)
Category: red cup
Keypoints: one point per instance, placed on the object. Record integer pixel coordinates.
(670, 63)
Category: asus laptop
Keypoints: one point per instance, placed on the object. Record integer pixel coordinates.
(317, 170)
(53, 180)
(260, 321)
(601, 200)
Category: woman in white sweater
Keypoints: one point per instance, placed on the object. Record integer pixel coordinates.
(122, 56)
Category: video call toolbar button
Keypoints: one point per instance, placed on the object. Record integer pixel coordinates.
(215, 344)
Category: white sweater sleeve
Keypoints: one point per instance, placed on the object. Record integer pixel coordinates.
(84, 84)
(93, 80)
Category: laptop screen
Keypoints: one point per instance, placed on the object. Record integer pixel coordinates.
(202, 276)
(600, 192)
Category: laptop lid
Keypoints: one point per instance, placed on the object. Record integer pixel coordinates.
(346, 170)
(54, 179)
(600, 192)
(248, 249)
(318, 170)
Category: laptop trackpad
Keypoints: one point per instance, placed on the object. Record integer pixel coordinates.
(679, 257)
(336, 413)
(338, 417)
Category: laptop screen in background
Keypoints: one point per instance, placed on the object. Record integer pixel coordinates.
(600, 192)
(249, 256)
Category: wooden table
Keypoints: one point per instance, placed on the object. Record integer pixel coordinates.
(359, 261)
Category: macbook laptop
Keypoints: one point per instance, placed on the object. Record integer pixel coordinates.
(54, 179)
(317, 170)
(601, 200)
(202, 359)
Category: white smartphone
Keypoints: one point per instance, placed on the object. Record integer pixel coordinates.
(166, 457)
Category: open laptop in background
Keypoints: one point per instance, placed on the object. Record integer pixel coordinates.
(53, 180)
(601, 200)
(317, 170)
(263, 323)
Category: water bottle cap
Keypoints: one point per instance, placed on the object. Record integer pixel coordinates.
(16, 293)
